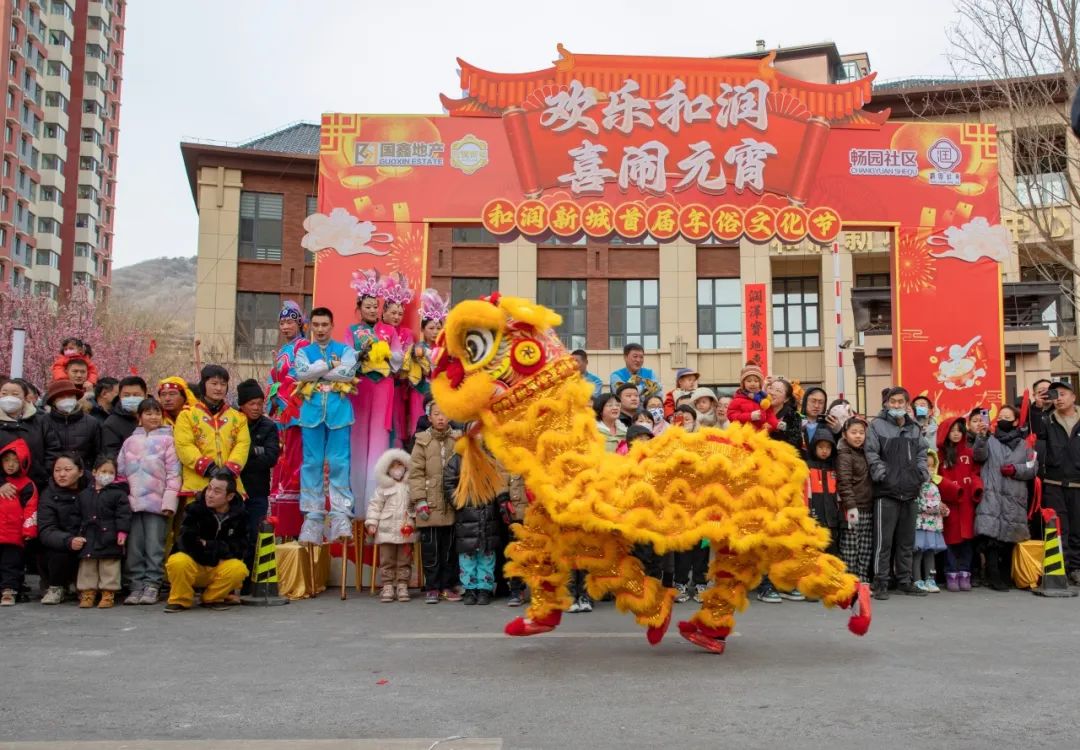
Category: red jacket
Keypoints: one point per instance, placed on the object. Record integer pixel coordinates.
(743, 404)
(18, 515)
(961, 487)
(59, 368)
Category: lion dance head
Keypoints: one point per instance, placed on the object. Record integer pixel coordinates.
(490, 347)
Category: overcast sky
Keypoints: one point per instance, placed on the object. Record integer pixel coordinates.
(237, 69)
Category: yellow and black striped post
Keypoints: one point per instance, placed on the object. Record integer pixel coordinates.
(1054, 583)
(264, 579)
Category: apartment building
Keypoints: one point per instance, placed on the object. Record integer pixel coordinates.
(63, 87)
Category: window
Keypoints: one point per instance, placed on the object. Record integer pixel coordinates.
(60, 39)
(634, 313)
(256, 325)
(473, 236)
(462, 289)
(48, 226)
(260, 226)
(57, 68)
(1060, 316)
(52, 130)
(795, 312)
(311, 207)
(89, 135)
(644, 239)
(52, 161)
(1040, 161)
(567, 298)
(46, 258)
(880, 315)
(9, 134)
(45, 289)
(88, 163)
(719, 313)
(83, 250)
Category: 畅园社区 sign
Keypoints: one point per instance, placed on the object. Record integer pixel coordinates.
(703, 151)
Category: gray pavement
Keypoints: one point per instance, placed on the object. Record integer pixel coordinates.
(951, 670)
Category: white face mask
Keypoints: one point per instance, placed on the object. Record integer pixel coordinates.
(66, 405)
(104, 479)
(397, 473)
(11, 404)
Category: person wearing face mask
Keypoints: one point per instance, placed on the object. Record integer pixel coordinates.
(923, 408)
(122, 421)
(654, 407)
(20, 419)
(896, 453)
(78, 432)
(391, 521)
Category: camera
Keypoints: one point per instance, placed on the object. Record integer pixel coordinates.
(1052, 394)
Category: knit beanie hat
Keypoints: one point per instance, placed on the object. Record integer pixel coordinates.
(249, 390)
(752, 368)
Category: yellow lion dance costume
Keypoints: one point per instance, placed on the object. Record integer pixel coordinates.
(503, 369)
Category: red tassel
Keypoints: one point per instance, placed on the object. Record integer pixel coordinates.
(153, 345)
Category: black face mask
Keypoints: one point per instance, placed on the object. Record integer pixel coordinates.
(1004, 425)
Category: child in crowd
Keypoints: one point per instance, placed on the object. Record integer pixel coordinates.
(635, 434)
(73, 348)
(477, 533)
(856, 491)
(685, 417)
(929, 539)
(704, 402)
(654, 407)
(262, 457)
(148, 462)
(686, 381)
(431, 451)
(106, 522)
(59, 525)
(391, 520)
(961, 490)
(824, 499)
(18, 517)
(750, 404)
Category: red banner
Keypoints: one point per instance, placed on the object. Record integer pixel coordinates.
(757, 329)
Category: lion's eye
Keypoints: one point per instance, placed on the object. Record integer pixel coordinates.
(478, 343)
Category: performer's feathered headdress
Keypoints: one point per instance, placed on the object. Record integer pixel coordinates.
(291, 311)
(432, 306)
(366, 284)
(395, 289)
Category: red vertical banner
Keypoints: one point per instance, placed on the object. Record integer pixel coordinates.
(756, 318)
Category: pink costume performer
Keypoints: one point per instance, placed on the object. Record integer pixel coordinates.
(284, 409)
(396, 297)
(433, 311)
(373, 403)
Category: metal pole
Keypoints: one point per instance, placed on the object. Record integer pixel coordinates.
(839, 320)
(18, 351)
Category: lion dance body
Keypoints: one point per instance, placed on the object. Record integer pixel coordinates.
(503, 369)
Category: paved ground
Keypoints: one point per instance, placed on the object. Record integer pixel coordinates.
(959, 671)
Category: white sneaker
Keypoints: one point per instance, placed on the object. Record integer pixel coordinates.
(585, 604)
(699, 593)
(931, 586)
(920, 585)
(682, 595)
(575, 607)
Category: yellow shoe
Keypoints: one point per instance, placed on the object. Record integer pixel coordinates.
(86, 599)
(108, 599)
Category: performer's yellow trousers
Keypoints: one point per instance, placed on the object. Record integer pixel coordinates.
(185, 575)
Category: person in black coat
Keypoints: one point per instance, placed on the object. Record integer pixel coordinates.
(59, 524)
(210, 546)
(20, 419)
(122, 422)
(77, 431)
(477, 534)
(265, 448)
(106, 521)
(104, 395)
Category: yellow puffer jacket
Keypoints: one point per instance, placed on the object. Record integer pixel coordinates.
(204, 438)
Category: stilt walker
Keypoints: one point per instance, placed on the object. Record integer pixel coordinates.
(284, 410)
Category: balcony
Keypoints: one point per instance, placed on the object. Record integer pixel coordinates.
(84, 264)
(85, 234)
(46, 209)
(91, 149)
(88, 207)
(98, 37)
(96, 65)
(60, 54)
(53, 178)
(48, 241)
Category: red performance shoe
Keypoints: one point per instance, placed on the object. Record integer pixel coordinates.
(860, 610)
(522, 626)
(710, 639)
(656, 634)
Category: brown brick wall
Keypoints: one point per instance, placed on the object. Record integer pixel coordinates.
(292, 277)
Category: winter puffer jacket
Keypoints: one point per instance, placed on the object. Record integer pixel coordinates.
(33, 427)
(148, 461)
(961, 484)
(207, 438)
(430, 454)
(79, 433)
(853, 478)
(791, 433)
(744, 404)
(208, 538)
(116, 429)
(1002, 514)
(824, 501)
(18, 514)
(389, 508)
(104, 515)
(265, 449)
(477, 527)
(897, 457)
(59, 515)
(1058, 451)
